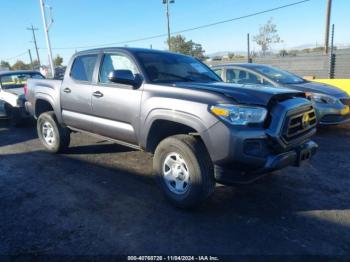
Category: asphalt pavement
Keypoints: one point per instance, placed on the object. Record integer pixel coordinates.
(100, 198)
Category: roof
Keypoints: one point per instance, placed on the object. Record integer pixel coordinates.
(246, 65)
(7, 72)
(127, 49)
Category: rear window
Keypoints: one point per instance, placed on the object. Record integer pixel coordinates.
(83, 68)
(17, 80)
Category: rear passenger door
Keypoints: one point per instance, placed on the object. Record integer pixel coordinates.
(231, 75)
(76, 92)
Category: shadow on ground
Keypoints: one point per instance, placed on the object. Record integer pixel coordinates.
(100, 198)
(11, 135)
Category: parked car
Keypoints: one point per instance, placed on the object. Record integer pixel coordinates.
(59, 72)
(12, 93)
(331, 103)
(199, 129)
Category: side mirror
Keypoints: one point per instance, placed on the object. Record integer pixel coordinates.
(125, 77)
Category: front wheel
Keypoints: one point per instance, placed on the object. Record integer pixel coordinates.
(53, 136)
(184, 170)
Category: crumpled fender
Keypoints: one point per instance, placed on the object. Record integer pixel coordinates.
(9, 98)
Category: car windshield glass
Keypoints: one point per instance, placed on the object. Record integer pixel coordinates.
(170, 68)
(278, 75)
(17, 80)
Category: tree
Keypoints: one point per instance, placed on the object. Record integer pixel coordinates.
(20, 65)
(58, 60)
(36, 64)
(267, 35)
(283, 52)
(5, 64)
(231, 55)
(179, 44)
(217, 58)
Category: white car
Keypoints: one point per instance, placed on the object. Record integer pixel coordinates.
(12, 85)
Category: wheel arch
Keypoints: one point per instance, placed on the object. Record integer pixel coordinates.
(170, 123)
(45, 103)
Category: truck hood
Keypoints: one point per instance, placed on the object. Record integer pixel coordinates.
(244, 94)
(319, 88)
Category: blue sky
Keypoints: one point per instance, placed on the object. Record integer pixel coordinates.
(94, 22)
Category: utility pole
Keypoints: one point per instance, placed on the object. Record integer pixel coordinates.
(30, 58)
(328, 20)
(332, 56)
(34, 39)
(167, 2)
(248, 48)
(46, 29)
(332, 41)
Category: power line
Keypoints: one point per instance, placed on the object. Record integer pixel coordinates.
(189, 29)
(241, 17)
(177, 32)
(13, 57)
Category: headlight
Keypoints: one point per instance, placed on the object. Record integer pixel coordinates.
(322, 98)
(239, 114)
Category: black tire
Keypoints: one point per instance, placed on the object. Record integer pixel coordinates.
(60, 135)
(14, 116)
(199, 165)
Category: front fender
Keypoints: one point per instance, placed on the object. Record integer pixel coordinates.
(184, 118)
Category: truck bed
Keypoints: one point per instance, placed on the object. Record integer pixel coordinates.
(48, 88)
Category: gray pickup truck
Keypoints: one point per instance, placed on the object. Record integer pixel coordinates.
(200, 130)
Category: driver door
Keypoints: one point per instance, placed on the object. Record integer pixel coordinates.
(116, 107)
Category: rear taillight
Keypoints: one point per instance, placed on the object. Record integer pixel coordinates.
(25, 89)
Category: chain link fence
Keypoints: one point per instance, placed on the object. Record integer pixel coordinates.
(304, 64)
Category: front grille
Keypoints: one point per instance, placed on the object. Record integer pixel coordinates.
(298, 124)
(345, 101)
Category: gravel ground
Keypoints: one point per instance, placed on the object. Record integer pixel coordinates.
(100, 199)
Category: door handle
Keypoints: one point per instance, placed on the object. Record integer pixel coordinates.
(67, 90)
(97, 94)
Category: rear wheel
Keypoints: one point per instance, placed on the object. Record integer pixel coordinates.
(53, 136)
(184, 170)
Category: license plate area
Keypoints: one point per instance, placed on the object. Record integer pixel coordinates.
(303, 155)
(345, 111)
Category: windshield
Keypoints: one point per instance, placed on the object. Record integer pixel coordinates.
(17, 80)
(170, 68)
(279, 76)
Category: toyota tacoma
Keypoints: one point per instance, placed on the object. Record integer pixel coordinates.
(200, 129)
